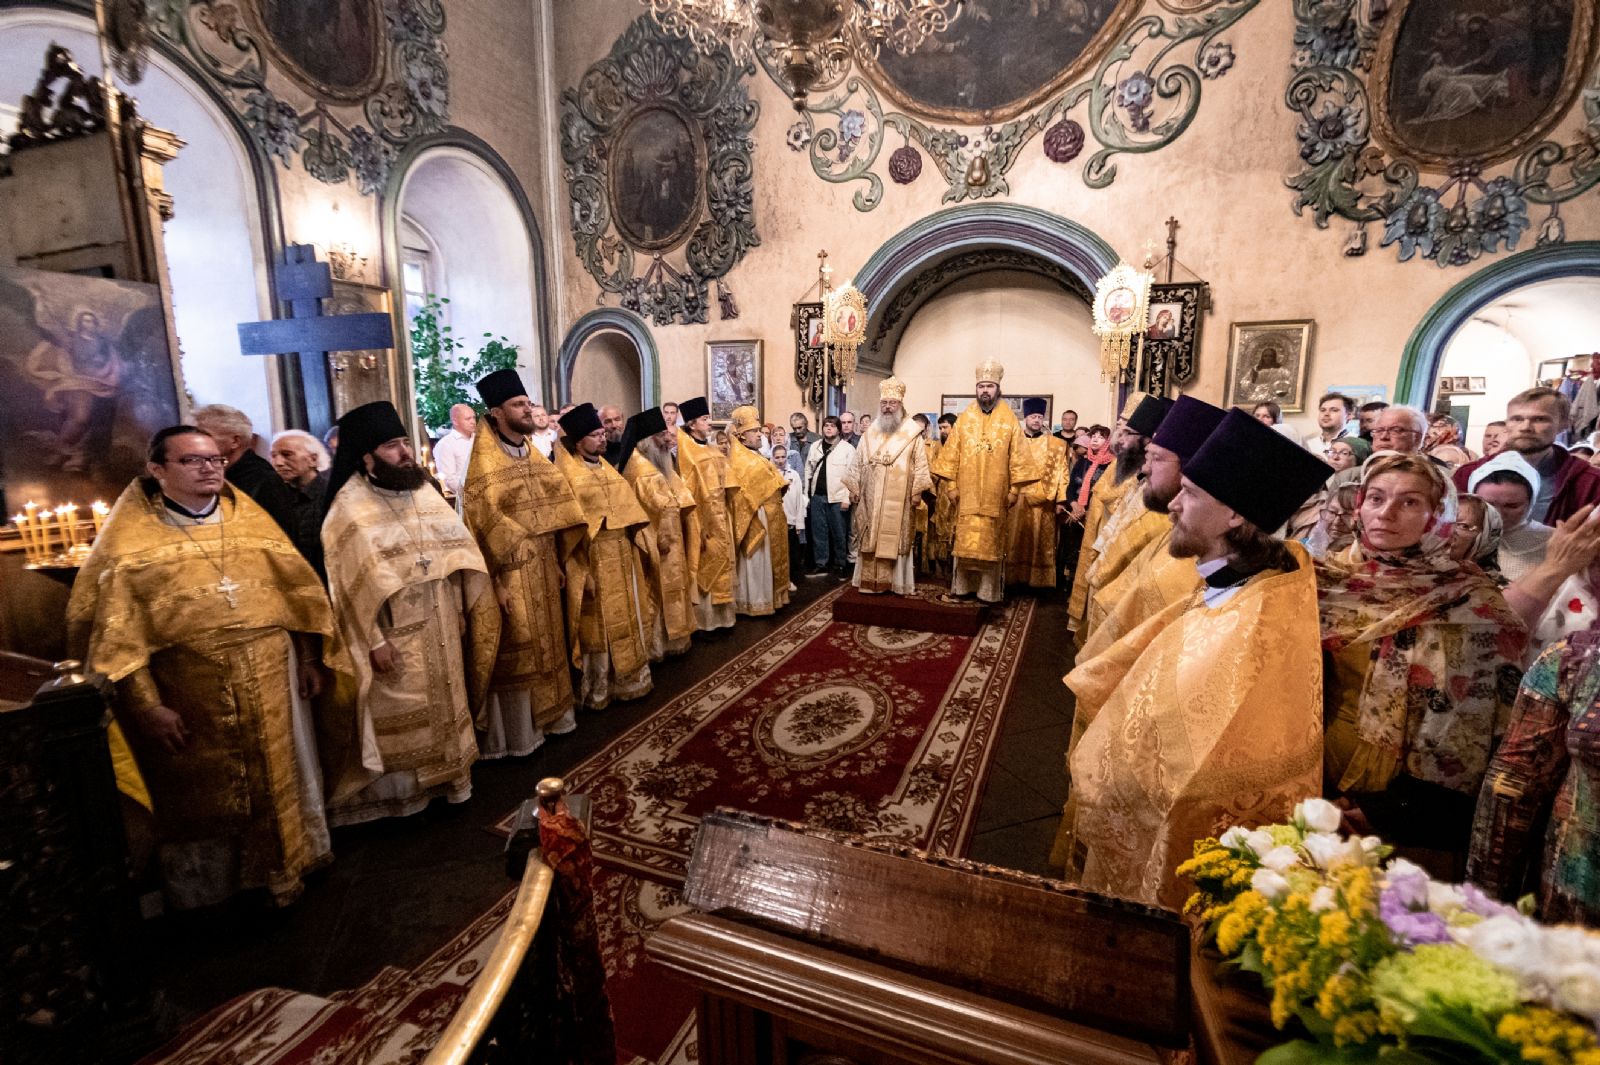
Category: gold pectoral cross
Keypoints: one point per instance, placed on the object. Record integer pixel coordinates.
(424, 561)
(227, 586)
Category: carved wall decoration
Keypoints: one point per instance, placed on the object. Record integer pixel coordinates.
(1138, 80)
(1434, 120)
(341, 84)
(657, 146)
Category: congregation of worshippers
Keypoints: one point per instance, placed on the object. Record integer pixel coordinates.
(1374, 613)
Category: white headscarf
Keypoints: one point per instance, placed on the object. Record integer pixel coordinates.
(1507, 460)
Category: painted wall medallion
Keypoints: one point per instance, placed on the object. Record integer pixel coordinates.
(333, 48)
(999, 58)
(657, 170)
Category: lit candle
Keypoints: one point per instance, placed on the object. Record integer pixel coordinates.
(21, 522)
(98, 512)
(67, 516)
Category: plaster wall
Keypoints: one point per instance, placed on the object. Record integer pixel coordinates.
(1223, 179)
(607, 371)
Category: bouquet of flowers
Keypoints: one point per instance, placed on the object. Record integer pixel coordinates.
(1381, 963)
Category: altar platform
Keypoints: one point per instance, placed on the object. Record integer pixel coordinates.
(922, 612)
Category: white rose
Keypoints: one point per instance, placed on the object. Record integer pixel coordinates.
(1280, 859)
(1370, 844)
(1319, 815)
(1259, 840)
(1322, 846)
(1444, 898)
(1569, 945)
(1577, 988)
(1323, 899)
(1402, 868)
(1350, 852)
(1234, 838)
(1270, 884)
(1509, 942)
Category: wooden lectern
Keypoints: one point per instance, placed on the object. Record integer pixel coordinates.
(813, 948)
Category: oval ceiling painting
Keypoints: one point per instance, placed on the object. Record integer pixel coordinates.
(333, 48)
(1000, 57)
(1478, 80)
(656, 171)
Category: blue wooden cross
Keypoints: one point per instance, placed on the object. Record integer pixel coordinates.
(304, 283)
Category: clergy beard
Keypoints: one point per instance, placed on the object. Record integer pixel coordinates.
(1130, 460)
(396, 478)
(987, 406)
(889, 424)
(1185, 544)
(1156, 501)
(659, 457)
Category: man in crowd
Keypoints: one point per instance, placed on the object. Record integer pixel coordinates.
(1494, 439)
(981, 461)
(761, 579)
(544, 434)
(1031, 521)
(608, 611)
(1334, 414)
(942, 516)
(612, 421)
(248, 471)
(302, 462)
(1534, 418)
(454, 449)
(827, 499)
(847, 428)
(197, 606)
(526, 521)
(413, 600)
(886, 479)
(800, 438)
(647, 467)
(1218, 717)
(704, 469)
(1068, 429)
(1368, 415)
(1400, 428)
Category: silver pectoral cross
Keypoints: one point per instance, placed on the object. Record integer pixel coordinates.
(227, 586)
(424, 561)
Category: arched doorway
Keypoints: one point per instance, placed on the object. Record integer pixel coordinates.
(216, 251)
(1502, 330)
(609, 356)
(458, 225)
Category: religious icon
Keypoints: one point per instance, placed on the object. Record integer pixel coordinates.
(1268, 361)
(845, 321)
(1120, 303)
(1165, 318)
(655, 177)
(733, 375)
(333, 48)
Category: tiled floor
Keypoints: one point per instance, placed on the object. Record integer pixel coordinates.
(400, 888)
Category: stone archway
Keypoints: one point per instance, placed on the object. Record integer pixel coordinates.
(630, 328)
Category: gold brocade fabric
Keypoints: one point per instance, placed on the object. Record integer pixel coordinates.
(982, 462)
(1138, 528)
(441, 620)
(604, 577)
(708, 530)
(942, 522)
(668, 502)
(1106, 494)
(1031, 524)
(1153, 581)
(526, 521)
(886, 478)
(757, 481)
(1217, 721)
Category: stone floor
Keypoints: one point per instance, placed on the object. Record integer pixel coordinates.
(400, 888)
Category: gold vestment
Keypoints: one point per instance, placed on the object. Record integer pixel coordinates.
(1153, 581)
(942, 521)
(981, 460)
(1031, 525)
(668, 502)
(760, 492)
(1105, 495)
(605, 583)
(886, 479)
(526, 521)
(440, 619)
(708, 528)
(1128, 530)
(1217, 721)
(198, 619)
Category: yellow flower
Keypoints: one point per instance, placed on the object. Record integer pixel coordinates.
(1546, 1037)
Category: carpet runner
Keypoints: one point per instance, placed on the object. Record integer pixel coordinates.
(883, 732)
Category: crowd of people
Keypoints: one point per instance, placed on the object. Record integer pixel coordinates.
(1371, 612)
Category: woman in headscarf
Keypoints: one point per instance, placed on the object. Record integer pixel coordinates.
(1335, 530)
(1420, 665)
(1443, 441)
(1476, 536)
(1345, 453)
(1510, 484)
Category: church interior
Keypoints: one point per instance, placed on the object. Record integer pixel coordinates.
(800, 532)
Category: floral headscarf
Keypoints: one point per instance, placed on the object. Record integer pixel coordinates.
(1446, 650)
(1485, 545)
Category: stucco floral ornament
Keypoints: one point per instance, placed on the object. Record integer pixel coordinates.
(1134, 95)
(852, 124)
(905, 165)
(1416, 225)
(1216, 59)
(799, 136)
(1333, 133)
(1063, 141)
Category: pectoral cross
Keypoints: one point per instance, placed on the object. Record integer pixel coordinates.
(228, 587)
(424, 561)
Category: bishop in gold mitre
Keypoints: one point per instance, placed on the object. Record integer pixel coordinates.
(886, 479)
(526, 521)
(607, 604)
(646, 463)
(761, 580)
(1217, 718)
(212, 626)
(412, 596)
(1032, 529)
(981, 462)
(708, 530)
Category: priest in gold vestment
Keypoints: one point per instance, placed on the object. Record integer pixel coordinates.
(1108, 491)
(527, 521)
(646, 463)
(412, 597)
(942, 516)
(211, 624)
(607, 602)
(708, 530)
(886, 479)
(760, 529)
(1217, 718)
(1031, 523)
(980, 461)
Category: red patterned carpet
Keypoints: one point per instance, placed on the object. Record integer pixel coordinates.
(884, 732)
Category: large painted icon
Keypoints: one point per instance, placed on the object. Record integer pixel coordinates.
(333, 48)
(733, 376)
(999, 58)
(87, 378)
(1268, 361)
(655, 177)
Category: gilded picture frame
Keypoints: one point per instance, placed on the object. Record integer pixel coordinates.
(274, 24)
(733, 376)
(1269, 361)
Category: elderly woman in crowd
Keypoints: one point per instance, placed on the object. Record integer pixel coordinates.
(1476, 536)
(1443, 441)
(1346, 453)
(1421, 661)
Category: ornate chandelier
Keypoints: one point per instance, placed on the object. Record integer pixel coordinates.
(804, 36)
